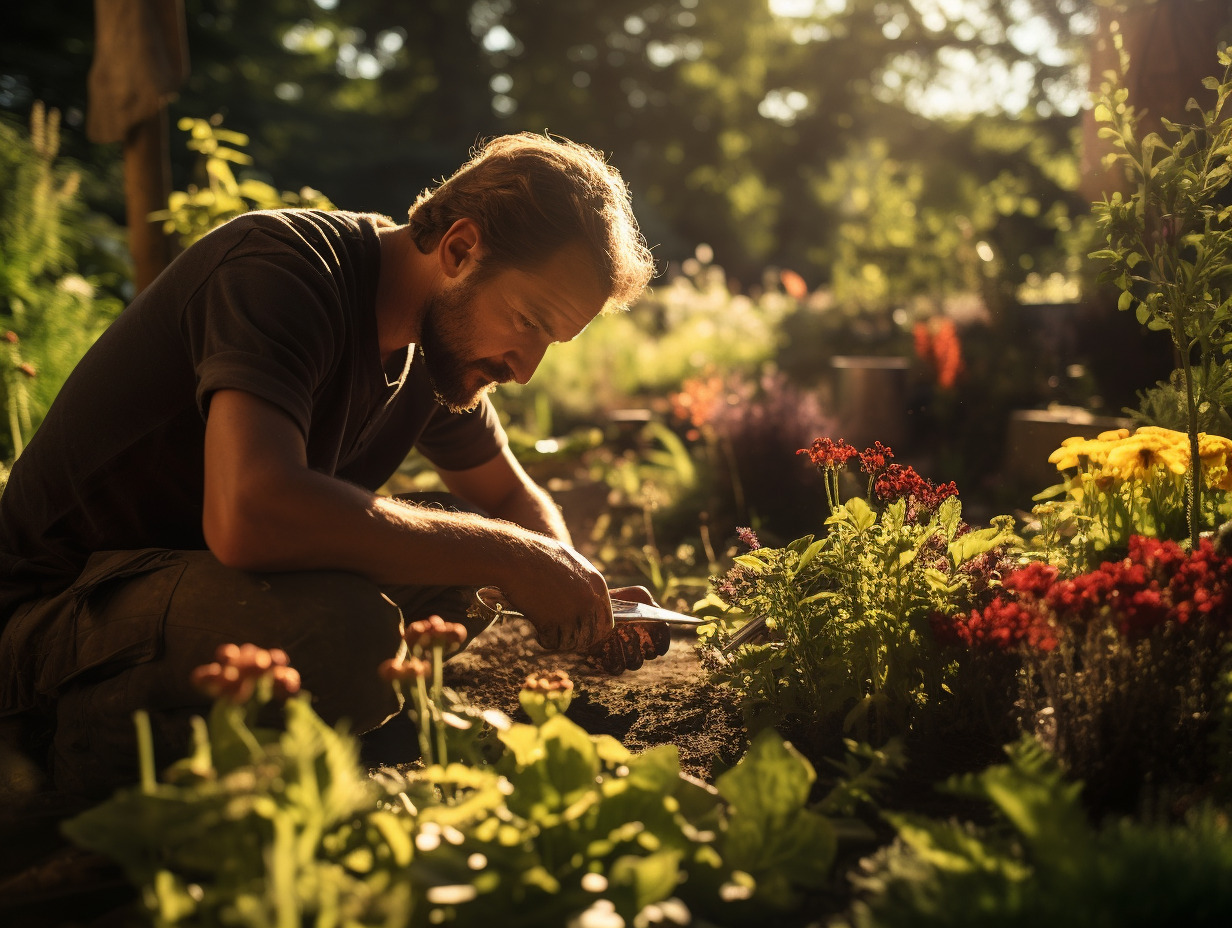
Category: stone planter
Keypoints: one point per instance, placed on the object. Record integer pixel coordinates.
(1033, 434)
(870, 394)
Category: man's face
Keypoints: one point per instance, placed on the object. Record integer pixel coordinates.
(486, 329)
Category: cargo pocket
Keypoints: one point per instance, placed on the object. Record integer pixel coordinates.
(119, 606)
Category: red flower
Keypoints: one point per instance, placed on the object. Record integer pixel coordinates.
(874, 460)
(826, 452)
(901, 481)
(1036, 579)
(794, 284)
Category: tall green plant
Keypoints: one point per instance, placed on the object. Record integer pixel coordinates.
(49, 314)
(1169, 243)
(193, 212)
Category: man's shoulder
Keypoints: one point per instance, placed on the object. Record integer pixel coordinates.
(290, 226)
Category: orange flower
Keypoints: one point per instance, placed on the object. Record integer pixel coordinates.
(409, 669)
(425, 634)
(793, 284)
(238, 669)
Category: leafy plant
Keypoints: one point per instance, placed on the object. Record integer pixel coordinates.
(849, 614)
(1164, 405)
(50, 314)
(521, 824)
(193, 212)
(1043, 863)
(1169, 243)
(257, 826)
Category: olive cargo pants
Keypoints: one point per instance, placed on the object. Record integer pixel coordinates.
(127, 634)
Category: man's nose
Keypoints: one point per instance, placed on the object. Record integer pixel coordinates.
(524, 362)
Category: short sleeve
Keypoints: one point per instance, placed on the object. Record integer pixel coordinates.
(460, 441)
(262, 323)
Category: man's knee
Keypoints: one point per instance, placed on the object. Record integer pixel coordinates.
(335, 626)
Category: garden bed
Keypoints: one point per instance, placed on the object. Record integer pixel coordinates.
(668, 700)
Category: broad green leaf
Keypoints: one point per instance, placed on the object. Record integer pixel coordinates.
(810, 553)
(977, 542)
(771, 781)
(860, 514)
(652, 877)
(752, 562)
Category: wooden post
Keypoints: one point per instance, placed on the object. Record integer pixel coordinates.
(147, 183)
(140, 59)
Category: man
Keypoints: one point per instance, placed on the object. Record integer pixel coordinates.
(208, 472)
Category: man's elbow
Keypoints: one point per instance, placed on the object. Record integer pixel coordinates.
(236, 541)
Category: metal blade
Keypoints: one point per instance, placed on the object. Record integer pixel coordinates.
(626, 611)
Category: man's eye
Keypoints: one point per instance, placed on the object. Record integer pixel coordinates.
(526, 323)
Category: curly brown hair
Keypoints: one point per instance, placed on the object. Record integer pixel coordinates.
(532, 195)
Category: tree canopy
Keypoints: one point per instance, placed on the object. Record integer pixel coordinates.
(886, 148)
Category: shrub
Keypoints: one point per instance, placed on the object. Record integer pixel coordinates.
(49, 313)
(848, 615)
(1042, 863)
(1122, 665)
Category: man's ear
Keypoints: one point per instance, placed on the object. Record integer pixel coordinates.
(461, 247)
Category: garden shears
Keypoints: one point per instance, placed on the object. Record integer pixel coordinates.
(642, 632)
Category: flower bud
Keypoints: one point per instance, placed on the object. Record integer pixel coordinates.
(411, 668)
(425, 634)
(235, 673)
(545, 694)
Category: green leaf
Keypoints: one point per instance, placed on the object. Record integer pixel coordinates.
(772, 780)
(1125, 300)
(809, 554)
(977, 542)
(860, 514)
(652, 877)
(753, 562)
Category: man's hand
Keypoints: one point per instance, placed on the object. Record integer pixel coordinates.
(564, 597)
(630, 644)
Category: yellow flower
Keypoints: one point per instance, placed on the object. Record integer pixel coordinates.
(1214, 451)
(1114, 435)
(1163, 436)
(1135, 457)
(1078, 450)
(1218, 477)
(1213, 447)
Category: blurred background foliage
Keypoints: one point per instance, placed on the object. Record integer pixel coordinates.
(817, 177)
(822, 135)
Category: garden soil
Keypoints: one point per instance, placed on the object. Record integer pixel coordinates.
(668, 700)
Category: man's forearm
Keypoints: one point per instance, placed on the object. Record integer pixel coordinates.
(532, 508)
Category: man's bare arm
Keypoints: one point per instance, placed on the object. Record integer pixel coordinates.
(505, 491)
(264, 509)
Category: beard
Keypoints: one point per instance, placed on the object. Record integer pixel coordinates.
(459, 379)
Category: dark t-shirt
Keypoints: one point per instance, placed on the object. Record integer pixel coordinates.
(279, 304)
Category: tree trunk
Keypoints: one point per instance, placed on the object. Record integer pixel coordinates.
(1172, 46)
